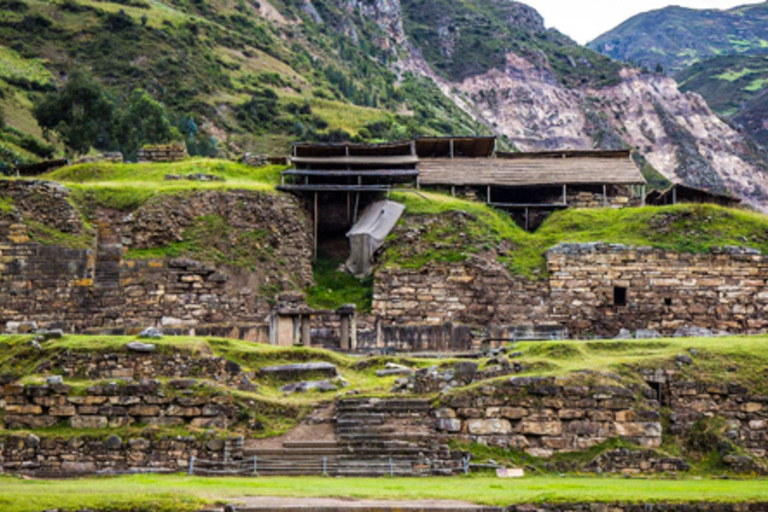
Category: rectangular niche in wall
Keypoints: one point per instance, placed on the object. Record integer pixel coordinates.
(619, 296)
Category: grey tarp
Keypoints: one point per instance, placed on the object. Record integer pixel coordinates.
(369, 233)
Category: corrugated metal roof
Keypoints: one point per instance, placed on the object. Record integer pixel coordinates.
(522, 172)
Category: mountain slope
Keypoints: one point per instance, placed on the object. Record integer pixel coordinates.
(677, 37)
(257, 75)
(735, 86)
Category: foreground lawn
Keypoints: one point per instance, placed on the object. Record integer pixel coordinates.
(179, 493)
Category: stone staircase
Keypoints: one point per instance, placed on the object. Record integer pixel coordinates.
(392, 436)
(296, 458)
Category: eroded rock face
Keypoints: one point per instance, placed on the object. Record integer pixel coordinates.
(677, 133)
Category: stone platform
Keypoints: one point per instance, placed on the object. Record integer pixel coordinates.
(270, 504)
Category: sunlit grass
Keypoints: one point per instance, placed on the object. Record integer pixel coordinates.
(180, 493)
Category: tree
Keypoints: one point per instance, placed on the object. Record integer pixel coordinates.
(144, 120)
(81, 112)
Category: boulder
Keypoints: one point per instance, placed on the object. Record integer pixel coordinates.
(304, 386)
(151, 332)
(113, 443)
(137, 346)
(647, 334)
(292, 371)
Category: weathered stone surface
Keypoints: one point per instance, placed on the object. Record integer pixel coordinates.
(290, 371)
(89, 422)
(488, 426)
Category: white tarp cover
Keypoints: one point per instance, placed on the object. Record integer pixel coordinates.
(369, 233)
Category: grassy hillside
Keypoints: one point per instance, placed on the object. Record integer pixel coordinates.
(677, 37)
(252, 76)
(686, 228)
(22, 80)
(728, 83)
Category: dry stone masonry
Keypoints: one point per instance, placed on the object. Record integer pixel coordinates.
(589, 289)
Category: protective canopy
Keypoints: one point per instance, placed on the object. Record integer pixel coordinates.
(369, 233)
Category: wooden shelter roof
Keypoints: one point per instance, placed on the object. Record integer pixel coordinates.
(312, 150)
(522, 171)
(463, 147)
(679, 193)
(380, 161)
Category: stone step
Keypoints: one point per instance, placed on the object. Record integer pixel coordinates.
(293, 452)
(311, 444)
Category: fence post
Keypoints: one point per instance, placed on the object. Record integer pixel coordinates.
(325, 465)
(191, 465)
(391, 468)
(255, 466)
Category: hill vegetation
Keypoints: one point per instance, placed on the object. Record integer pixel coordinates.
(685, 228)
(229, 79)
(461, 39)
(676, 37)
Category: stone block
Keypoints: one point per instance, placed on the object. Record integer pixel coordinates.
(638, 429)
(62, 410)
(540, 428)
(448, 425)
(88, 422)
(483, 427)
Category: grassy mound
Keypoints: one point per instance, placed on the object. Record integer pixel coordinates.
(685, 228)
(127, 186)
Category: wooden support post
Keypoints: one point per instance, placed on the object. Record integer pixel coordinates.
(565, 195)
(453, 190)
(413, 147)
(349, 206)
(346, 150)
(450, 145)
(315, 222)
(643, 200)
(605, 196)
(488, 196)
(674, 194)
(526, 219)
(418, 184)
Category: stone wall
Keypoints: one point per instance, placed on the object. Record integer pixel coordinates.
(745, 413)
(664, 290)
(100, 289)
(139, 366)
(724, 290)
(113, 405)
(478, 291)
(541, 416)
(57, 456)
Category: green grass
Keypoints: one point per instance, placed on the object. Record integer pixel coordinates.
(746, 355)
(334, 288)
(684, 228)
(127, 186)
(210, 238)
(24, 72)
(47, 235)
(179, 493)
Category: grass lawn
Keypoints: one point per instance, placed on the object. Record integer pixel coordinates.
(180, 493)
